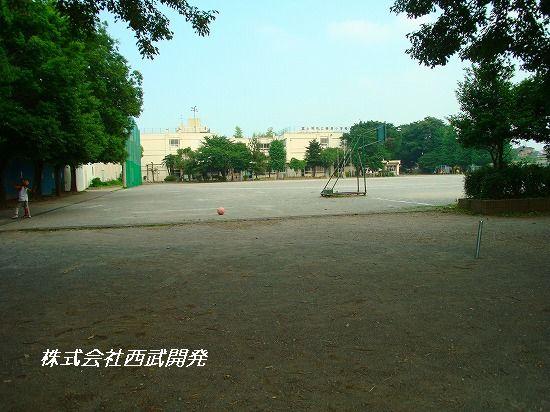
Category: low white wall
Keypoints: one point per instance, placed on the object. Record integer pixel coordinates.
(86, 173)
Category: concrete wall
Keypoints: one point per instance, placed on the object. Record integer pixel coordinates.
(86, 173)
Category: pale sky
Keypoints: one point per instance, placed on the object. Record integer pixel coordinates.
(287, 63)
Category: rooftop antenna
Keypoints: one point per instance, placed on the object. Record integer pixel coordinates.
(194, 110)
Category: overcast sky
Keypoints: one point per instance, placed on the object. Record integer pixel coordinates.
(287, 63)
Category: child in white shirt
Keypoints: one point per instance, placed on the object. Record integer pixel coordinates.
(22, 199)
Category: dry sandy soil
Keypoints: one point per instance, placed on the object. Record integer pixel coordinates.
(380, 312)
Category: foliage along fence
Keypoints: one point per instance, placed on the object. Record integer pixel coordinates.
(511, 182)
(133, 161)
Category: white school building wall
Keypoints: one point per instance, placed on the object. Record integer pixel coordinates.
(159, 143)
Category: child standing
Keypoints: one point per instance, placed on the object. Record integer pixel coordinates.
(22, 199)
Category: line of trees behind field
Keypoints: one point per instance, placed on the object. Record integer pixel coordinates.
(219, 156)
(422, 147)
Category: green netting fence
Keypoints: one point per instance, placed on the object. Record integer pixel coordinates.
(133, 161)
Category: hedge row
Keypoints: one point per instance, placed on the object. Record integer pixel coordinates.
(511, 182)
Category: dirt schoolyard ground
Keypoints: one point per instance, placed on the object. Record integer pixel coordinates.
(175, 203)
(380, 312)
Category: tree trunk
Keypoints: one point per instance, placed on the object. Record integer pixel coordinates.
(493, 157)
(74, 189)
(37, 184)
(3, 197)
(500, 156)
(57, 180)
(124, 182)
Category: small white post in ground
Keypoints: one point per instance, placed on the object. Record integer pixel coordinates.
(478, 243)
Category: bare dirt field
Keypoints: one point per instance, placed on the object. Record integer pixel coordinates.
(380, 312)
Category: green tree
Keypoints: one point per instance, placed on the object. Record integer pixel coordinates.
(277, 156)
(481, 31)
(259, 159)
(144, 18)
(239, 157)
(532, 110)
(186, 162)
(30, 50)
(117, 94)
(365, 149)
(486, 117)
(486, 32)
(51, 106)
(331, 156)
(313, 155)
(238, 133)
(432, 142)
(170, 161)
(297, 165)
(419, 138)
(214, 155)
(45, 102)
(117, 88)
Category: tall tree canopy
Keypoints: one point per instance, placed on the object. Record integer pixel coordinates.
(212, 156)
(117, 89)
(363, 142)
(64, 99)
(238, 133)
(331, 157)
(532, 109)
(486, 118)
(239, 157)
(481, 31)
(486, 32)
(432, 142)
(149, 24)
(297, 165)
(277, 156)
(259, 159)
(313, 155)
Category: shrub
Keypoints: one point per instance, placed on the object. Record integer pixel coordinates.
(511, 182)
(96, 182)
(171, 178)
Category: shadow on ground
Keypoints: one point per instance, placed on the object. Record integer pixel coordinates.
(388, 312)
